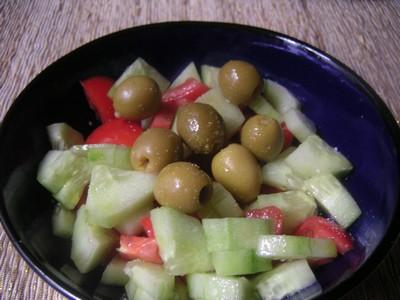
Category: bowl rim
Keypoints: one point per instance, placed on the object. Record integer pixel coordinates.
(344, 287)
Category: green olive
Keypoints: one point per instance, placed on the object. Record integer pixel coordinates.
(201, 127)
(137, 97)
(155, 148)
(263, 136)
(239, 81)
(183, 186)
(238, 171)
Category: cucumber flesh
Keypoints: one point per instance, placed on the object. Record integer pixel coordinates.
(91, 244)
(231, 114)
(153, 279)
(221, 205)
(234, 233)
(293, 280)
(57, 167)
(63, 221)
(114, 273)
(229, 288)
(116, 194)
(295, 206)
(261, 106)
(278, 174)
(280, 97)
(197, 284)
(132, 225)
(181, 241)
(130, 289)
(295, 247)
(209, 75)
(333, 198)
(239, 262)
(314, 157)
(298, 124)
(111, 155)
(140, 67)
(190, 71)
(62, 136)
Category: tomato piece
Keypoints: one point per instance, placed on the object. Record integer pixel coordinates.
(147, 226)
(164, 117)
(319, 227)
(287, 136)
(145, 248)
(184, 93)
(269, 213)
(266, 189)
(172, 99)
(118, 132)
(96, 89)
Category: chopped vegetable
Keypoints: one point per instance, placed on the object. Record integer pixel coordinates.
(144, 248)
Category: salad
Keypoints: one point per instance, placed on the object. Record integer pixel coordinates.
(213, 187)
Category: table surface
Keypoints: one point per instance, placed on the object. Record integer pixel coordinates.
(33, 34)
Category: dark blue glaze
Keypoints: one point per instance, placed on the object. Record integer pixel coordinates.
(348, 115)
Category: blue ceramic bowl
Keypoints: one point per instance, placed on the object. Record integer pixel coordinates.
(347, 112)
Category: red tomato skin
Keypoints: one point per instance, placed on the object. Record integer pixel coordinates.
(138, 247)
(172, 99)
(96, 89)
(287, 136)
(117, 132)
(319, 227)
(147, 226)
(268, 212)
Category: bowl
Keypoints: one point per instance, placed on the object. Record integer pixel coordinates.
(347, 112)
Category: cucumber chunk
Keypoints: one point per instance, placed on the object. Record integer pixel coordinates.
(333, 198)
(229, 288)
(132, 226)
(114, 273)
(280, 97)
(116, 194)
(130, 289)
(278, 174)
(231, 114)
(111, 155)
(221, 205)
(62, 136)
(314, 157)
(57, 167)
(293, 280)
(234, 233)
(239, 262)
(295, 206)
(140, 67)
(197, 284)
(151, 278)
(261, 106)
(63, 221)
(295, 247)
(209, 75)
(91, 244)
(190, 71)
(143, 295)
(181, 241)
(298, 124)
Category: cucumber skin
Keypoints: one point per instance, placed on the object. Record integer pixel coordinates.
(181, 241)
(239, 262)
(91, 244)
(261, 106)
(234, 233)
